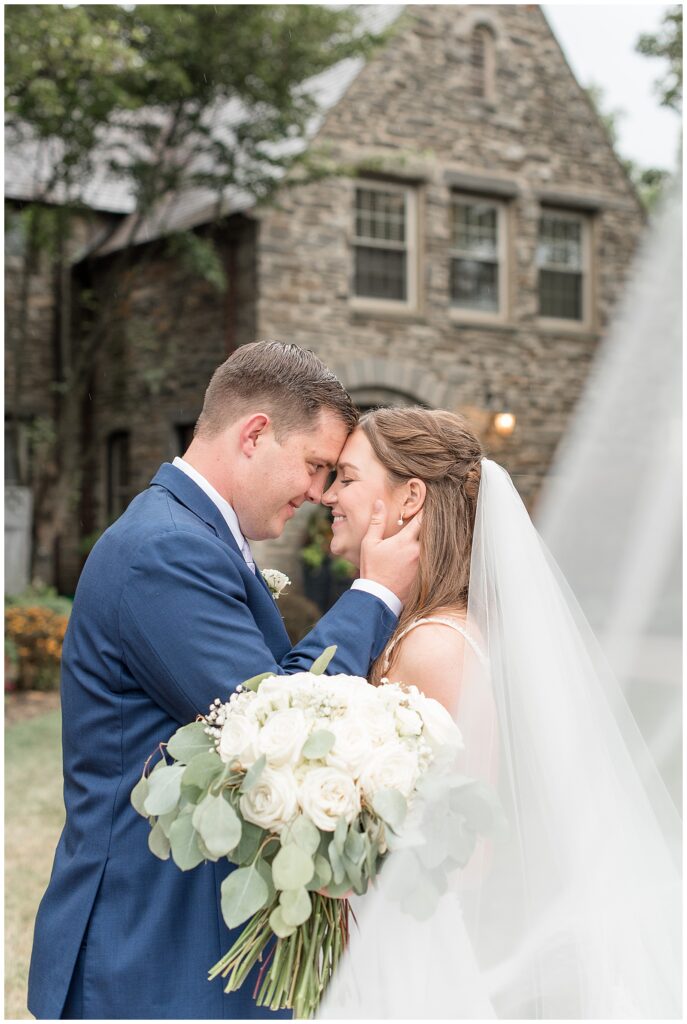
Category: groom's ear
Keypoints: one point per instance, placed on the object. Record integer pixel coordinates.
(415, 497)
(251, 430)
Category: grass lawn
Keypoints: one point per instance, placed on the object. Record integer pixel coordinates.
(34, 815)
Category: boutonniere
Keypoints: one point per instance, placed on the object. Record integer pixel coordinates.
(276, 582)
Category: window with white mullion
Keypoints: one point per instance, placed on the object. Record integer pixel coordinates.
(561, 261)
(382, 243)
(476, 255)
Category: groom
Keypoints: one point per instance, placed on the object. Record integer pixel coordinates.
(170, 613)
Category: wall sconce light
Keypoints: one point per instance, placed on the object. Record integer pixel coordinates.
(504, 423)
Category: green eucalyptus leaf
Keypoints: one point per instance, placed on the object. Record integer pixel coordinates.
(138, 796)
(189, 741)
(391, 806)
(253, 774)
(323, 873)
(319, 665)
(337, 863)
(218, 824)
(296, 906)
(354, 847)
(165, 789)
(292, 867)
(303, 833)
(201, 770)
(338, 889)
(318, 744)
(165, 821)
(243, 893)
(340, 833)
(249, 844)
(158, 843)
(254, 682)
(186, 853)
(265, 870)
(279, 925)
(204, 850)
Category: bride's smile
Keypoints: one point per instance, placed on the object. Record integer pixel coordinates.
(360, 480)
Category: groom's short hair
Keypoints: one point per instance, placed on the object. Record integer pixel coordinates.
(289, 382)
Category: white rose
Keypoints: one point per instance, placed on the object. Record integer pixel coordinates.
(274, 693)
(408, 722)
(439, 728)
(327, 794)
(238, 740)
(282, 736)
(375, 719)
(392, 766)
(351, 747)
(273, 801)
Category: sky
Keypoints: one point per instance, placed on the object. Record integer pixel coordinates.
(599, 41)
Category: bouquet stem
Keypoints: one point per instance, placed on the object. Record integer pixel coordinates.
(296, 970)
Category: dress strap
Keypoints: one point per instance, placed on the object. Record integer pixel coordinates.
(444, 620)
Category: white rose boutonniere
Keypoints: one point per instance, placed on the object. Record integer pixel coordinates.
(276, 581)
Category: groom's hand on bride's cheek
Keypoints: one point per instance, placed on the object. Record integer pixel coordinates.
(392, 561)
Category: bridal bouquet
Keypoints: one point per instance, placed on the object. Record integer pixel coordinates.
(303, 782)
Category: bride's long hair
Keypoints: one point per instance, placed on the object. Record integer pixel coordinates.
(441, 449)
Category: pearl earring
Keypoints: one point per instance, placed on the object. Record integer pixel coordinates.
(400, 520)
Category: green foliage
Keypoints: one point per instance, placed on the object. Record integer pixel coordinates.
(73, 72)
(320, 664)
(667, 44)
(243, 893)
(316, 547)
(189, 741)
(218, 824)
(318, 744)
(38, 595)
(164, 789)
(199, 256)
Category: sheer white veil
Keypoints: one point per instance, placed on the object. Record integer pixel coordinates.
(574, 911)
(610, 509)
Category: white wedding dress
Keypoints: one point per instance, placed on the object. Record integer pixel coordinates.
(575, 911)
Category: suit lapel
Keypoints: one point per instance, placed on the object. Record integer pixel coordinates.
(194, 498)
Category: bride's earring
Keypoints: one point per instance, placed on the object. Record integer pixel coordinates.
(399, 522)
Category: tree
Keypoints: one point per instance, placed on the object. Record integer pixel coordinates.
(667, 43)
(167, 97)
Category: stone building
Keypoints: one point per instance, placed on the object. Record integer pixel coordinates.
(469, 258)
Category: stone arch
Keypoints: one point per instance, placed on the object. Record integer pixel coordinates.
(404, 378)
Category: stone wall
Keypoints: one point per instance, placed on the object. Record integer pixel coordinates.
(410, 116)
(170, 330)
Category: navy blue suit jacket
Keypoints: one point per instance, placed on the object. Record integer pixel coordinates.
(167, 616)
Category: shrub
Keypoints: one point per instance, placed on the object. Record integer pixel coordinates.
(35, 624)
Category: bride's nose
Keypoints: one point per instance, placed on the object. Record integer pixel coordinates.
(329, 496)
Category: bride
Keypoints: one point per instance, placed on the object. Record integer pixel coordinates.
(574, 912)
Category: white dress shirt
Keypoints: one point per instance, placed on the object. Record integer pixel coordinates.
(369, 586)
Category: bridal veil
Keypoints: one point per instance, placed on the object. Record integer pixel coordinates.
(573, 909)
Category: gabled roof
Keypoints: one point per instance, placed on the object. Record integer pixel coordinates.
(28, 163)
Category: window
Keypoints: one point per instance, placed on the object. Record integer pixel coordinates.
(482, 62)
(562, 262)
(477, 255)
(118, 479)
(384, 244)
